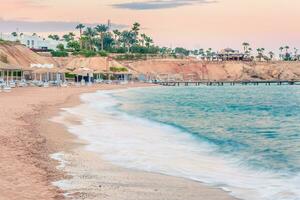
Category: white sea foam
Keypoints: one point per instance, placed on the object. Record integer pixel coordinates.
(150, 146)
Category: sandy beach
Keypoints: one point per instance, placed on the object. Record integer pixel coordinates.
(28, 139)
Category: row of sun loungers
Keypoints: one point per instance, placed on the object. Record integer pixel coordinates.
(8, 86)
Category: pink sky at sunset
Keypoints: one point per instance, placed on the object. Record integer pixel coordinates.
(188, 23)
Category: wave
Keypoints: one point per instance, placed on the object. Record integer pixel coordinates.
(143, 144)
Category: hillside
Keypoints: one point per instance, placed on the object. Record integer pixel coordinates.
(189, 69)
(174, 69)
(21, 56)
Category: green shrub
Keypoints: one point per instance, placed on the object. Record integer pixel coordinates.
(131, 57)
(117, 50)
(87, 53)
(118, 69)
(60, 47)
(59, 53)
(70, 75)
(103, 53)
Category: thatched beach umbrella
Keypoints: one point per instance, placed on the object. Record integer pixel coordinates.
(63, 72)
(4, 67)
(83, 71)
(98, 73)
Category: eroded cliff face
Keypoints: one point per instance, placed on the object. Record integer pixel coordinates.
(22, 56)
(176, 69)
(197, 70)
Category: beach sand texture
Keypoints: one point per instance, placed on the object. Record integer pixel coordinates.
(28, 138)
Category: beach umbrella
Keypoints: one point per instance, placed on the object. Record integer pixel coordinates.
(8, 68)
(98, 72)
(83, 71)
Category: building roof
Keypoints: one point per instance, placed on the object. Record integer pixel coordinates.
(228, 51)
(5, 66)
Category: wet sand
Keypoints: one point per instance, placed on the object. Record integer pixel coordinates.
(28, 138)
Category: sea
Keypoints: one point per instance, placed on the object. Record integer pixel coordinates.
(242, 139)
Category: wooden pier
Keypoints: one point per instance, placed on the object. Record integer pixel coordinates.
(232, 83)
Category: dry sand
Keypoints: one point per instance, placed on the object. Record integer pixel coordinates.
(28, 137)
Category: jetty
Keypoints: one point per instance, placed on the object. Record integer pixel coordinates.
(232, 83)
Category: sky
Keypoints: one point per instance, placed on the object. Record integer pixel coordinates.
(192, 24)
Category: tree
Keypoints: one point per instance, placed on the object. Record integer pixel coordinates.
(260, 53)
(60, 47)
(135, 29)
(143, 39)
(90, 33)
(286, 49)
(201, 52)
(295, 53)
(80, 27)
(182, 51)
(148, 41)
(249, 51)
(127, 38)
(102, 29)
(15, 34)
(287, 56)
(68, 37)
(281, 56)
(74, 45)
(54, 37)
(271, 54)
(117, 35)
(245, 45)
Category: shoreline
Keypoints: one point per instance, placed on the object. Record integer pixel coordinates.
(93, 178)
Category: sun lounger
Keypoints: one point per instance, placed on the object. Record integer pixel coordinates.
(6, 88)
(46, 85)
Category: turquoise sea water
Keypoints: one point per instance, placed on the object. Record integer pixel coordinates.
(243, 139)
(258, 125)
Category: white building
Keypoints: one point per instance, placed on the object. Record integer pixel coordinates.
(34, 42)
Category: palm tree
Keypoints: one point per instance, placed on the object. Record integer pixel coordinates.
(281, 56)
(80, 27)
(148, 41)
(69, 37)
(260, 53)
(135, 29)
(271, 55)
(208, 53)
(117, 35)
(15, 34)
(246, 45)
(54, 37)
(286, 49)
(143, 40)
(102, 29)
(128, 38)
(249, 51)
(295, 51)
(90, 33)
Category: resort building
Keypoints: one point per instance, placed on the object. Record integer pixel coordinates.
(34, 42)
(230, 54)
(227, 54)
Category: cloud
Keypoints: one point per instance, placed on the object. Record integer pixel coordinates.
(159, 4)
(23, 3)
(44, 26)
